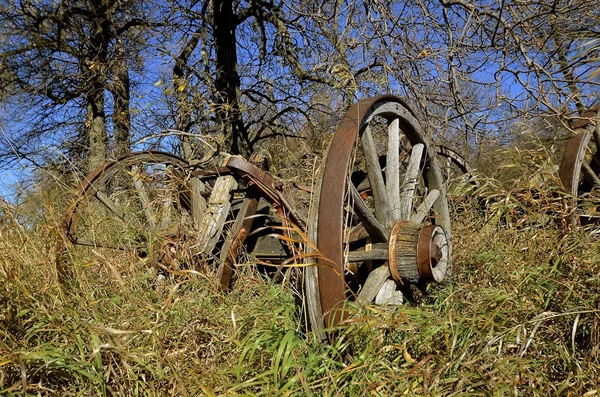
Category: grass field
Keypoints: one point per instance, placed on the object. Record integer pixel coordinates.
(521, 316)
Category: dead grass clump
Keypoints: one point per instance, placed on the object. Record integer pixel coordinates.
(520, 317)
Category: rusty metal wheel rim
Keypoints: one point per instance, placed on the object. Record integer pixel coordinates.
(78, 220)
(580, 165)
(332, 287)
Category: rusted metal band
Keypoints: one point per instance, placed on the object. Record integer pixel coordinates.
(424, 253)
(332, 285)
(267, 186)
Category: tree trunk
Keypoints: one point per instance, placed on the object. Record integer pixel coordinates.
(96, 128)
(183, 118)
(227, 80)
(120, 93)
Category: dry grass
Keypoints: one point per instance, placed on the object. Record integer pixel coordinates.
(520, 317)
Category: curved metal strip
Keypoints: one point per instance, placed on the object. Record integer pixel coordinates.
(90, 178)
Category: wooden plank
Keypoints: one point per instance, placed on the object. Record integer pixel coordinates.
(410, 181)
(216, 213)
(388, 295)
(425, 207)
(383, 211)
(373, 284)
(165, 216)
(143, 196)
(392, 168)
(198, 201)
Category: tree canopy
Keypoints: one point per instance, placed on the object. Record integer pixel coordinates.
(83, 81)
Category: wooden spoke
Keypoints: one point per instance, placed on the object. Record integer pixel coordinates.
(143, 196)
(165, 217)
(375, 175)
(392, 170)
(425, 207)
(114, 208)
(388, 295)
(374, 282)
(590, 175)
(235, 238)
(364, 214)
(410, 181)
(378, 253)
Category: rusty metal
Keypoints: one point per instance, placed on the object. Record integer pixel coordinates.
(210, 173)
(225, 271)
(574, 156)
(429, 254)
(457, 159)
(267, 186)
(424, 254)
(332, 285)
(393, 265)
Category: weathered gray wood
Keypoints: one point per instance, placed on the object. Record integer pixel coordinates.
(373, 284)
(216, 213)
(103, 198)
(406, 252)
(596, 134)
(388, 295)
(198, 201)
(369, 221)
(143, 196)
(392, 168)
(311, 273)
(589, 174)
(165, 216)
(410, 181)
(425, 207)
(378, 252)
(383, 211)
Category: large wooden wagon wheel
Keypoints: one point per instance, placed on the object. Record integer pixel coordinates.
(580, 167)
(154, 206)
(378, 226)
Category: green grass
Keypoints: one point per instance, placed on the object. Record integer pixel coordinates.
(520, 317)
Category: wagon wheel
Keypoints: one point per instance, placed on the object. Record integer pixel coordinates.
(148, 204)
(455, 170)
(580, 167)
(397, 224)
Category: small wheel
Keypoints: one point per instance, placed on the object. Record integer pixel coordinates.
(377, 220)
(580, 167)
(150, 205)
(137, 204)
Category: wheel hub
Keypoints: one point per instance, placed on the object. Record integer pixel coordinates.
(417, 253)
